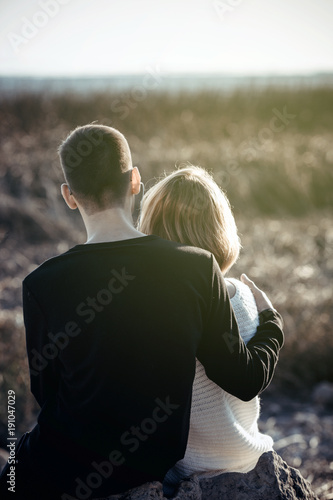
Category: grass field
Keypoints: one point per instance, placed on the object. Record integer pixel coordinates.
(271, 150)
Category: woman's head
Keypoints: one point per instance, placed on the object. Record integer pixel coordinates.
(188, 206)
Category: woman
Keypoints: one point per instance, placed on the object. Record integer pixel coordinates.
(188, 206)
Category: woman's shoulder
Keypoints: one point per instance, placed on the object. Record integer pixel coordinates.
(231, 287)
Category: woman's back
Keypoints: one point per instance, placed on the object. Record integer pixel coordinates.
(224, 435)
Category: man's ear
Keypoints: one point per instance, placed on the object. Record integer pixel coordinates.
(68, 197)
(136, 180)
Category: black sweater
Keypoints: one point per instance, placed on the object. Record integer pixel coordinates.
(112, 333)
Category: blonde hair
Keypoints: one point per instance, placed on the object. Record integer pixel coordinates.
(187, 206)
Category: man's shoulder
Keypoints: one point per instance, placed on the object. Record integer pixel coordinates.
(181, 252)
(181, 248)
(44, 268)
(154, 248)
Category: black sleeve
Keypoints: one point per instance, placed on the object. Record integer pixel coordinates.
(41, 351)
(243, 371)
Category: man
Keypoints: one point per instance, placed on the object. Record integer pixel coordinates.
(113, 328)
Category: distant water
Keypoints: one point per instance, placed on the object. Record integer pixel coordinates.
(154, 81)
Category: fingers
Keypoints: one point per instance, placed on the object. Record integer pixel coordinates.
(246, 280)
(261, 298)
(254, 289)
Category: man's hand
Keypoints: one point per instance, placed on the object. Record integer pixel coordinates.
(261, 298)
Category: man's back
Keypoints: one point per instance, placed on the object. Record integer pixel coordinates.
(121, 324)
(113, 330)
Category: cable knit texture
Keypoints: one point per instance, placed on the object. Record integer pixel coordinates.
(224, 434)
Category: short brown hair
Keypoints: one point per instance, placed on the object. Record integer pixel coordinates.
(187, 206)
(94, 159)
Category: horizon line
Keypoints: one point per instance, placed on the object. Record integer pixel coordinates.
(170, 75)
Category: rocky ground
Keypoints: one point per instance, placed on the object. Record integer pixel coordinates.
(302, 429)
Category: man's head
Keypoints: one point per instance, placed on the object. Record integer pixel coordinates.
(97, 165)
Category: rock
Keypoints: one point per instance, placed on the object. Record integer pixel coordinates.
(148, 491)
(271, 479)
(323, 394)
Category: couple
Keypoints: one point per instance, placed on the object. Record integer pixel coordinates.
(121, 328)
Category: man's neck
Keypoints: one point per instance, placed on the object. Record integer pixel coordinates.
(113, 224)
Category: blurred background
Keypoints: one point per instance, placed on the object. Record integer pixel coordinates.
(242, 88)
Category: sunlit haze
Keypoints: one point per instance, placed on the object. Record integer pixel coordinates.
(102, 37)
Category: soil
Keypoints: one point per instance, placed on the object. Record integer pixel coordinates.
(302, 429)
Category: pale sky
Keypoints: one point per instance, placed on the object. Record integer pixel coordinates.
(89, 37)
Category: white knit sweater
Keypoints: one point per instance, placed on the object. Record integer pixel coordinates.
(224, 434)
